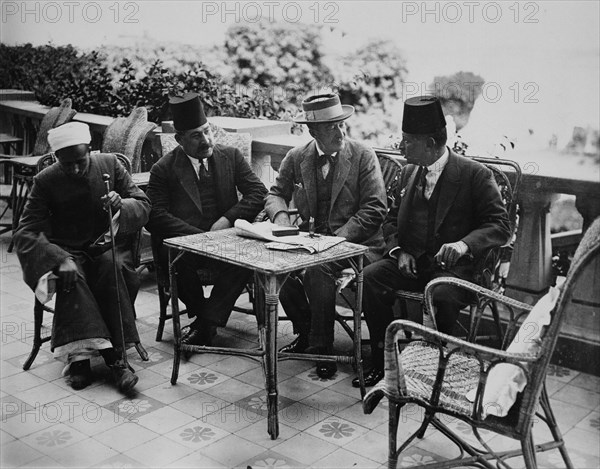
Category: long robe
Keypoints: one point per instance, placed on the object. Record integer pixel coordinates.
(62, 218)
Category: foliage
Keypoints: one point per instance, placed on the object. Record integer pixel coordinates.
(457, 94)
(54, 73)
(371, 76)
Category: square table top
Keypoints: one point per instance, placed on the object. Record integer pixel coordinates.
(225, 245)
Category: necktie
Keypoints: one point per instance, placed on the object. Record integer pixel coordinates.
(423, 181)
(325, 162)
(203, 171)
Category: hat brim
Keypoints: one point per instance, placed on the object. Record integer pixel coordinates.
(348, 111)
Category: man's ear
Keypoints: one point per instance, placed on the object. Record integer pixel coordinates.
(178, 137)
(430, 143)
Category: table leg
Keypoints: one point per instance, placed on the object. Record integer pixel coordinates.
(358, 325)
(271, 300)
(175, 313)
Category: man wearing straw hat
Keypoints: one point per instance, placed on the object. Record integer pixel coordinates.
(63, 235)
(336, 181)
(447, 212)
(194, 189)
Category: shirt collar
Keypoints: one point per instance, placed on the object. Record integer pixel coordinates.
(321, 152)
(439, 165)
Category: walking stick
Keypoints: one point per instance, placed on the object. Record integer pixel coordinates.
(106, 179)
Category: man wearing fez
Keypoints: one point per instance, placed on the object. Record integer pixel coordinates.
(194, 189)
(64, 231)
(338, 182)
(447, 212)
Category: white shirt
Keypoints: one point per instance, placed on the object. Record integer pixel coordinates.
(326, 166)
(196, 163)
(434, 171)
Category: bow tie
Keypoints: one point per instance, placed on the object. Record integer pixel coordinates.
(324, 159)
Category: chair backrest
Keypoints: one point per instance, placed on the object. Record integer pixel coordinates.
(586, 253)
(508, 175)
(47, 160)
(389, 161)
(54, 117)
(126, 135)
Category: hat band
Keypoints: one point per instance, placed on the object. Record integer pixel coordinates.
(327, 113)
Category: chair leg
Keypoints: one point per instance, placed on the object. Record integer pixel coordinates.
(163, 302)
(529, 451)
(38, 318)
(553, 426)
(141, 351)
(394, 416)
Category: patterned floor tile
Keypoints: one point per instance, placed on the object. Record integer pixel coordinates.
(233, 390)
(590, 423)
(553, 460)
(155, 356)
(414, 456)
(16, 453)
(221, 450)
(298, 389)
(202, 378)
(197, 434)
(6, 370)
(43, 462)
(583, 441)
(568, 415)
(20, 382)
(255, 377)
(133, 408)
(257, 403)
(587, 381)
(95, 419)
(560, 373)
(336, 430)
(54, 439)
(271, 459)
(45, 393)
(26, 423)
(196, 460)
(148, 379)
(233, 366)
(165, 368)
(120, 461)
(11, 406)
(355, 414)
(296, 448)
(125, 436)
(43, 357)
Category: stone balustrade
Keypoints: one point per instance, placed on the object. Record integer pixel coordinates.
(530, 274)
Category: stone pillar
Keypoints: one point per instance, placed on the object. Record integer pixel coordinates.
(530, 272)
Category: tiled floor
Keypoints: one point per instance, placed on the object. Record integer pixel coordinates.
(215, 417)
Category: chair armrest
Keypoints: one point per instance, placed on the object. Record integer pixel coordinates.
(472, 287)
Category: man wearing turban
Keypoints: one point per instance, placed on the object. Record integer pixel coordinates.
(63, 234)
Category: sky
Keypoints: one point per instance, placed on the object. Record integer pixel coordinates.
(540, 59)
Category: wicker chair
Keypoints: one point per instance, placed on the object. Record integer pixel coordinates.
(126, 135)
(42, 333)
(436, 372)
(508, 176)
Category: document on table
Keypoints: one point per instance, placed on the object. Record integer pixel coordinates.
(302, 241)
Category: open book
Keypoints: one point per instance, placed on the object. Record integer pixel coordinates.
(302, 241)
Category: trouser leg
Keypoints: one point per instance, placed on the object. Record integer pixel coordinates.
(295, 304)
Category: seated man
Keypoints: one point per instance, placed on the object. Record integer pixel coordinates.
(63, 230)
(338, 182)
(447, 212)
(194, 189)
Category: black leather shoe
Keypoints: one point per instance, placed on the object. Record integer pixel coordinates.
(202, 336)
(80, 374)
(124, 377)
(371, 378)
(299, 345)
(326, 370)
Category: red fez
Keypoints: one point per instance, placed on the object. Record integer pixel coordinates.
(423, 115)
(188, 112)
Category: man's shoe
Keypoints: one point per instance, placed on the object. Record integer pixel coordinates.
(326, 370)
(124, 377)
(80, 374)
(299, 345)
(202, 336)
(371, 378)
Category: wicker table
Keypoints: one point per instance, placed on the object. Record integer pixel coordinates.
(271, 268)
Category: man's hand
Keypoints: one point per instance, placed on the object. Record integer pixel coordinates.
(221, 224)
(67, 273)
(450, 253)
(114, 200)
(282, 219)
(407, 265)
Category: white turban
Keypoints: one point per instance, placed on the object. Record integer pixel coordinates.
(67, 135)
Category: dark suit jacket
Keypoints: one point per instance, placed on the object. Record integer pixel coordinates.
(469, 208)
(358, 199)
(176, 204)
